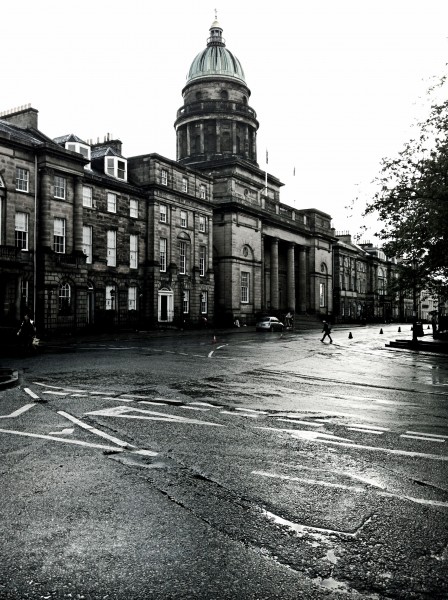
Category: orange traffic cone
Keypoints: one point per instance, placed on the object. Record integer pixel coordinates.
(399, 330)
(350, 337)
(381, 330)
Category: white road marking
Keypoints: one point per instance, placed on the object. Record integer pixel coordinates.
(350, 488)
(123, 412)
(251, 410)
(151, 403)
(435, 435)
(98, 432)
(365, 430)
(205, 404)
(77, 442)
(301, 422)
(195, 408)
(420, 437)
(66, 431)
(31, 393)
(387, 450)
(55, 393)
(229, 412)
(362, 426)
(341, 486)
(299, 528)
(58, 387)
(18, 412)
(304, 433)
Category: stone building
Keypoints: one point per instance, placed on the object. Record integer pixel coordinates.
(267, 255)
(362, 282)
(91, 238)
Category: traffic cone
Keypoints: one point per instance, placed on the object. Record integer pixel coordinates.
(381, 330)
(214, 339)
(399, 330)
(350, 337)
(427, 327)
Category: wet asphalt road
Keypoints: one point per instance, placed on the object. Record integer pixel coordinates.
(242, 466)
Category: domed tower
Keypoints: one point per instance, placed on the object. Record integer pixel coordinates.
(216, 121)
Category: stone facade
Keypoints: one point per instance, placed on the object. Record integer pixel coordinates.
(93, 255)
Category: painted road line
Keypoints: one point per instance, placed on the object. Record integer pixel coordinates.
(420, 437)
(31, 393)
(387, 450)
(18, 412)
(205, 404)
(362, 426)
(251, 410)
(305, 434)
(301, 422)
(195, 408)
(365, 430)
(98, 432)
(55, 393)
(58, 387)
(341, 486)
(77, 442)
(66, 431)
(435, 435)
(354, 489)
(123, 412)
(151, 403)
(235, 414)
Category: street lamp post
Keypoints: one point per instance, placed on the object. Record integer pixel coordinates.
(414, 303)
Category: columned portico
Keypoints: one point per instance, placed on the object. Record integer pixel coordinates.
(274, 274)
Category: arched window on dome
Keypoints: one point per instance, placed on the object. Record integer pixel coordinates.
(226, 142)
(224, 95)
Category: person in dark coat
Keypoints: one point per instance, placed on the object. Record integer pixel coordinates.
(326, 331)
(26, 335)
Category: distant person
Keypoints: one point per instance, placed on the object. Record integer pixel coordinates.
(26, 335)
(288, 319)
(326, 331)
(237, 323)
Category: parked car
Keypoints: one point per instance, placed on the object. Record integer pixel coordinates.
(269, 324)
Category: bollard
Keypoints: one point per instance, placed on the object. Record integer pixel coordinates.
(399, 330)
(350, 337)
(381, 330)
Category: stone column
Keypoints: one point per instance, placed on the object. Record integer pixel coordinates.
(302, 280)
(77, 216)
(201, 138)
(274, 274)
(291, 283)
(188, 140)
(263, 275)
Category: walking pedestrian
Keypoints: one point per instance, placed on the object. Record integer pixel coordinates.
(326, 331)
(26, 335)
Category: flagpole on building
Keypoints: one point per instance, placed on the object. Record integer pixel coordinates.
(266, 175)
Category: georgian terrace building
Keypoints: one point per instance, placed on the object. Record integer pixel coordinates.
(89, 238)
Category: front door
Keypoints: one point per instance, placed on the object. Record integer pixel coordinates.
(165, 306)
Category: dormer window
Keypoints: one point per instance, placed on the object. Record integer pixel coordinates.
(116, 167)
(83, 149)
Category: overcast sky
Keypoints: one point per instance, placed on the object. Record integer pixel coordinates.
(336, 84)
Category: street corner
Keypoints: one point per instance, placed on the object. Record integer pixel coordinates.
(8, 378)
